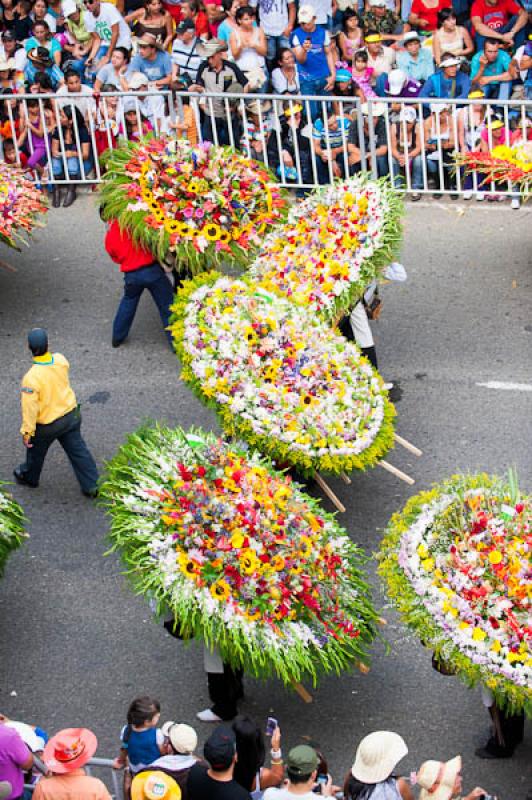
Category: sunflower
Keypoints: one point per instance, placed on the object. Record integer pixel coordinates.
(193, 187)
(307, 399)
(220, 590)
(212, 232)
(224, 237)
(188, 566)
(184, 229)
(248, 561)
(159, 216)
(305, 546)
(277, 562)
(153, 205)
(172, 225)
(253, 616)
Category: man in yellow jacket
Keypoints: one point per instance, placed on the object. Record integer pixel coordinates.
(49, 412)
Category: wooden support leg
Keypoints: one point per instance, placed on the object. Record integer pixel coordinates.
(302, 692)
(407, 445)
(346, 479)
(329, 492)
(7, 267)
(397, 472)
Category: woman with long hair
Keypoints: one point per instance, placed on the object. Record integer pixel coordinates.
(250, 771)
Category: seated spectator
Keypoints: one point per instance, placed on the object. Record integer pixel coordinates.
(39, 13)
(362, 76)
(78, 40)
(15, 759)
(329, 141)
(471, 121)
(136, 124)
(215, 16)
(154, 19)
(440, 144)
(350, 39)
(302, 772)
(250, 771)
(74, 86)
(151, 106)
(490, 70)
(406, 136)
(17, 19)
(32, 136)
(108, 29)
(258, 141)
(116, 73)
(296, 147)
(65, 755)
(185, 56)
(277, 20)
(522, 63)
(216, 782)
(314, 56)
(424, 14)
(381, 19)
(229, 24)
(494, 134)
(381, 59)
(65, 147)
(39, 60)
(447, 81)
(248, 48)
(450, 37)
(106, 127)
(285, 79)
(442, 780)
(7, 76)
(414, 60)
(504, 20)
(41, 84)
(346, 89)
(215, 74)
(372, 773)
(398, 84)
(190, 10)
(153, 62)
(42, 37)
(354, 149)
(178, 757)
(10, 48)
(150, 785)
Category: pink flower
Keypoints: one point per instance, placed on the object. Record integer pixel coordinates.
(188, 213)
(199, 213)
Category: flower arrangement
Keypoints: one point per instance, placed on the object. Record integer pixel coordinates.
(241, 557)
(20, 203)
(201, 205)
(502, 164)
(457, 561)
(334, 244)
(279, 377)
(11, 526)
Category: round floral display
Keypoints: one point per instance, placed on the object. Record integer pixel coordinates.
(458, 565)
(280, 378)
(202, 205)
(20, 203)
(333, 245)
(11, 527)
(242, 558)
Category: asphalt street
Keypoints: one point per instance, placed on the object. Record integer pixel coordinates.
(76, 645)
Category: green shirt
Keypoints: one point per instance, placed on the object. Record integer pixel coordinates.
(385, 24)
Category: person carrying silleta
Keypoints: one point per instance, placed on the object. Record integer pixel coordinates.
(49, 412)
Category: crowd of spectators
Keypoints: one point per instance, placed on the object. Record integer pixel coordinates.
(412, 53)
(239, 762)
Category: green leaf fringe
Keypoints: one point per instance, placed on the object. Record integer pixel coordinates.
(11, 526)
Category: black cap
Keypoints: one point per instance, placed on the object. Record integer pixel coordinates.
(38, 341)
(185, 25)
(9, 36)
(220, 748)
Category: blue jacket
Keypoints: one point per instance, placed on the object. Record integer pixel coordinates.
(440, 86)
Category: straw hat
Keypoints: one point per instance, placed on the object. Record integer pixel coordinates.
(258, 107)
(377, 755)
(210, 48)
(437, 778)
(149, 40)
(69, 749)
(154, 786)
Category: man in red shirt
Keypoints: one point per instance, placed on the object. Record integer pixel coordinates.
(141, 271)
(504, 20)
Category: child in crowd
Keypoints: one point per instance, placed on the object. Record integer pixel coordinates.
(142, 741)
(32, 137)
(362, 75)
(185, 123)
(136, 124)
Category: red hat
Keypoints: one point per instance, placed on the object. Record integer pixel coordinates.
(69, 749)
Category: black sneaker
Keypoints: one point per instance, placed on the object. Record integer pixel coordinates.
(21, 478)
(491, 751)
(93, 493)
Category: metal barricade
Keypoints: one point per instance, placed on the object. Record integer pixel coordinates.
(305, 140)
(101, 768)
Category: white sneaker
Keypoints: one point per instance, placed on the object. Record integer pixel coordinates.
(388, 386)
(208, 716)
(516, 203)
(480, 197)
(468, 194)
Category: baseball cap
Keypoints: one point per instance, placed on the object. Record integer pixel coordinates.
(378, 3)
(396, 80)
(302, 760)
(185, 25)
(68, 7)
(306, 13)
(411, 36)
(9, 36)
(343, 76)
(183, 738)
(137, 80)
(38, 340)
(220, 748)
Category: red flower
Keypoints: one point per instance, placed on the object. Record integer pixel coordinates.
(186, 475)
(201, 471)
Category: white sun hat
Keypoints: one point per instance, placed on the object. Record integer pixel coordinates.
(377, 755)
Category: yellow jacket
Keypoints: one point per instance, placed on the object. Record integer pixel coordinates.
(46, 393)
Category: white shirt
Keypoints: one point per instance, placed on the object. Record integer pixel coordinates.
(85, 104)
(284, 794)
(273, 15)
(186, 56)
(323, 9)
(102, 25)
(20, 58)
(281, 84)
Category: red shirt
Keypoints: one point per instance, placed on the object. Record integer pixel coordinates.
(430, 14)
(202, 24)
(124, 252)
(494, 16)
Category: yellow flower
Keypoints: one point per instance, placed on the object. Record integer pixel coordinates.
(224, 237)
(495, 557)
(496, 646)
(428, 564)
(423, 551)
(212, 232)
(252, 616)
(193, 187)
(305, 546)
(237, 540)
(220, 590)
(172, 225)
(188, 567)
(478, 635)
(277, 562)
(248, 561)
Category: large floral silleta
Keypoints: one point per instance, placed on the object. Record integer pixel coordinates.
(200, 206)
(20, 204)
(458, 564)
(279, 378)
(11, 527)
(243, 559)
(502, 164)
(334, 243)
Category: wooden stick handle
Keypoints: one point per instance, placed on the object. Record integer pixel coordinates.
(7, 266)
(346, 479)
(363, 668)
(397, 472)
(329, 492)
(407, 445)
(302, 692)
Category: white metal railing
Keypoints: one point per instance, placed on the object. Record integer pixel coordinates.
(112, 778)
(271, 132)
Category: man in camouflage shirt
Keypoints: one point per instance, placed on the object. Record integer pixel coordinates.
(386, 22)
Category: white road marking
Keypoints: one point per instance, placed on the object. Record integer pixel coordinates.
(508, 387)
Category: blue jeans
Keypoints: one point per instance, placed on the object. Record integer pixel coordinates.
(155, 281)
(314, 87)
(519, 37)
(501, 90)
(67, 431)
(274, 45)
(383, 167)
(73, 167)
(416, 173)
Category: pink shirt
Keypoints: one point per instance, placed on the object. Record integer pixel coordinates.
(13, 753)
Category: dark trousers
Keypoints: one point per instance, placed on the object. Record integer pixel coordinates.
(508, 731)
(67, 431)
(225, 690)
(222, 130)
(156, 282)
